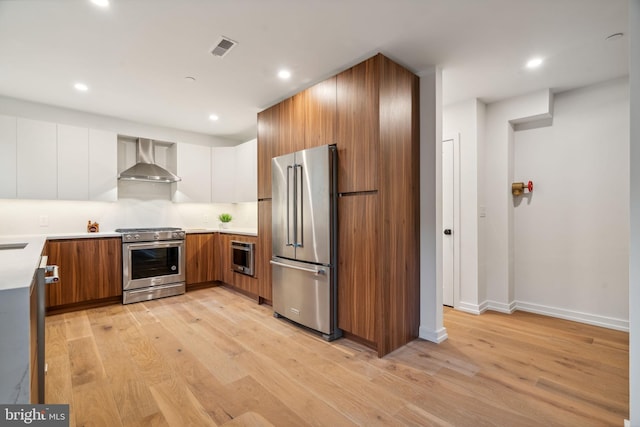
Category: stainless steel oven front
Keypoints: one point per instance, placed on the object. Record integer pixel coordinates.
(152, 270)
(242, 258)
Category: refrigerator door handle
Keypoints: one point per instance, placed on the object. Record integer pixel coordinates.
(295, 267)
(289, 169)
(299, 214)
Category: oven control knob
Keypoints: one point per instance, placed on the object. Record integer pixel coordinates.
(156, 236)
(137, 237)
(181, 234)
(174, 234)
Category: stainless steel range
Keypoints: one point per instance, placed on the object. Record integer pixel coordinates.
(152, 263)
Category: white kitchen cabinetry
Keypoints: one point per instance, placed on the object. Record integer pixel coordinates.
(36, 160)
(103, 165)
(247, 172)
(193, 165)
(223, 174)
(73, 163)
(8, 147)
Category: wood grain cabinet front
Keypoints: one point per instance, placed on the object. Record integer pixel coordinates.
(201, 252)
(264, 249)
(90, 271)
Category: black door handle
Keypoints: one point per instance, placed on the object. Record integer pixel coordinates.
(447, 231)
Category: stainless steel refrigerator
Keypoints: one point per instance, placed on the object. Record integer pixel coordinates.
(304, 212)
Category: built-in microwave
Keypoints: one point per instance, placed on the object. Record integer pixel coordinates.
(242, 257)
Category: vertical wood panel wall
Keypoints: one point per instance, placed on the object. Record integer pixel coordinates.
(371, 112)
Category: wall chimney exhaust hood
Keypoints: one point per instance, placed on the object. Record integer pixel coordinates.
(146, 169)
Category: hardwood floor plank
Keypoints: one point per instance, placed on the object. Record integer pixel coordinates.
(215, 357)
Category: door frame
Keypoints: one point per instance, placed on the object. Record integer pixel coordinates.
(455, 138)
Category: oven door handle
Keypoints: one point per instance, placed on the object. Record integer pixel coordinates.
(152, 245)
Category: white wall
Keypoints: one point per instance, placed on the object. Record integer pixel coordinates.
(634, 258)
(24, 216)
(497, 249)
(571, 234)
(431, 326)
(466, 119)
(140, 204)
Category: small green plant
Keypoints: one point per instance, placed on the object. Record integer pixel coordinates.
(225, 217)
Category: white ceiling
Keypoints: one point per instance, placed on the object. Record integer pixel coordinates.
(135, 54)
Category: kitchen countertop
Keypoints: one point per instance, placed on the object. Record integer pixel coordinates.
(19, 265)
(239, 230)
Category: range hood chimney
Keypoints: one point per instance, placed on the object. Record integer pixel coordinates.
(146, 169)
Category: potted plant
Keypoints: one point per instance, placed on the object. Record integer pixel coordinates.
(225, 219)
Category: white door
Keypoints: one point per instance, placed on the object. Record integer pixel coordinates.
(448, 186)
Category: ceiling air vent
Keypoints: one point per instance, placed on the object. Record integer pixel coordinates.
(223, 47)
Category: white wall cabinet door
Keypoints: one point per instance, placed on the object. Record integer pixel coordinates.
(73, 163)
(8, 147)
(193, 165)
(37, 172)
(103, 165)
(247, 171)
(223, 175)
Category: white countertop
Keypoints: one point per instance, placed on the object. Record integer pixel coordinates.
(232, 230)
(17, 266)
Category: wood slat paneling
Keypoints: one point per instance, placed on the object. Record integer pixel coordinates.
(320, 114)
(398, 304)
(358, 265)
(90, 269)
(201, 262)
(264, 249)
(357, 127)
(268, 127)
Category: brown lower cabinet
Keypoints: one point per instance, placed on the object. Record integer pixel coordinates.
(201, 252)
(208, 259)
(263, 256)
(90, 271)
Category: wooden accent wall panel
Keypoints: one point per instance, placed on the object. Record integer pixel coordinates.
(290, 136)
(398, 304)
(268, 127)
(263, 256)
(358, 265)
(357, 127)
(320, 114)
(201, 263)
(90, 269)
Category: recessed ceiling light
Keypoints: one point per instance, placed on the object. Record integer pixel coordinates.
(534, 63)
(284, 74)
(214, 117)
(190, 79)
(101, 3)
(81, 87)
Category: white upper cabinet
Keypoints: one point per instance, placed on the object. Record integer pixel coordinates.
(247, 171)
(8, 147)
(73, 163)
(103, 165)
(223, 174)
(193, 165)
(36, 160)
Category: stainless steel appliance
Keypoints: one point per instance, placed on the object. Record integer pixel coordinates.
(304, 238)
(152, 263)
(242, 259)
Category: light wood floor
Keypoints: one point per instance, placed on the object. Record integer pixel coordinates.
(214, 357)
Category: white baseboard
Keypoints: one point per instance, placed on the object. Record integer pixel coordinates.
(471, 308)
(433, 336)
(627, 423)
(500, 306)
(590, 319)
